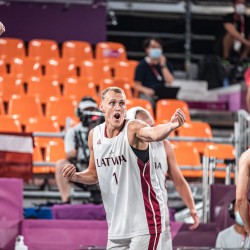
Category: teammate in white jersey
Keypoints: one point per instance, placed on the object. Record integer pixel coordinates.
(121, 160)
(165, 164)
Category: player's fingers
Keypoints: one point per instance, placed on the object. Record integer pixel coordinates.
(67, 170)
(196, 222)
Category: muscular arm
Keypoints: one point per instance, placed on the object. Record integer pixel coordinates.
(242, 188)
(180, 183)
(161, 131)
(88, 176)
(230, 28)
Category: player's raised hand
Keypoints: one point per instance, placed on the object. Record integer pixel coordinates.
(178, 119)
(69, 171)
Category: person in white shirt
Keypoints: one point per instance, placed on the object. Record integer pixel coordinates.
(121, 161)
(166, 165)
(235, 236)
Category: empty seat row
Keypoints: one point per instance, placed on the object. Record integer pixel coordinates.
(60, 69)
(74, 51)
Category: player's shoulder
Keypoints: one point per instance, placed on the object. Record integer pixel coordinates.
(245, 156)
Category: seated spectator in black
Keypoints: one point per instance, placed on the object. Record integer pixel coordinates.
(237, 28)
(153, 71)
(235, 236)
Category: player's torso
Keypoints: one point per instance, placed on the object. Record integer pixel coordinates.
(128, 187)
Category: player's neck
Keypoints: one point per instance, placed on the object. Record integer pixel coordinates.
(111, 131)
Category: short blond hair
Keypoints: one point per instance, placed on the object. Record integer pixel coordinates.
(114, 89)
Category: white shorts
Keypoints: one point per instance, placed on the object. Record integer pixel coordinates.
(142, 242)
(166, 238)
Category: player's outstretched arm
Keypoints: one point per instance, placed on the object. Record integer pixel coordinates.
(161, 131)
(181, 184)
(88, 176)
(242, 188)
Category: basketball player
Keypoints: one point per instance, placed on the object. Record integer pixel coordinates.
(166, 164)
(242, 188)
(121, 160)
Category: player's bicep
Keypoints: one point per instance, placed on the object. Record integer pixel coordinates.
(145, 134)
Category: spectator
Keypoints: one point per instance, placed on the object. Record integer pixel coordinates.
(2, 28)
(233, 237)
(237, 27)
(76, 145)
(153, 71)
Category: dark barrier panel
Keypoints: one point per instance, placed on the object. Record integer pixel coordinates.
(59, 22)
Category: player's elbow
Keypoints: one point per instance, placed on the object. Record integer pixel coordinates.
(241, 199)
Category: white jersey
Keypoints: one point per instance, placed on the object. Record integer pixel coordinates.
(161, 167)
(130, 188)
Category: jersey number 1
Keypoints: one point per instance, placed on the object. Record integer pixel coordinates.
(114, 174)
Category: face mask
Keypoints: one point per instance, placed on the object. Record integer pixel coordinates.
(155, 53)
(240, 9)
(238, 219)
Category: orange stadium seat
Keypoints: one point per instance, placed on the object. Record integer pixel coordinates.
(130, 103)
(43, 88)
(43, 50)
(42, 124)
(24, 107)
(37, 157)
(9, 86)
(165, 109)
(188, 155)
(111, 52)
(95, 71)
(2, 112)
(24, 68)
(125, 70)
(3, 67)
(123, 84)
(54, 152)
(59, 69)
(11, 47)
(77, 51)
(9, 124)
(77, 88)
(60, 108)
(196, 129)
(220, 152)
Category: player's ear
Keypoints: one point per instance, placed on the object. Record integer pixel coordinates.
(102, 107)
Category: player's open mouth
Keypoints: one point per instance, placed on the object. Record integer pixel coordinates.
(117, 116)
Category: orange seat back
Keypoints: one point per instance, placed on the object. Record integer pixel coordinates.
(130, 103)
(188, 155)
(77, 51)
(110, 52)
(9, 124)
(25, 107)
(10, 48)
(165, 108)
(9, 86)
(60, 69)
(25, 68)
(196, 129)
(43, 50)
